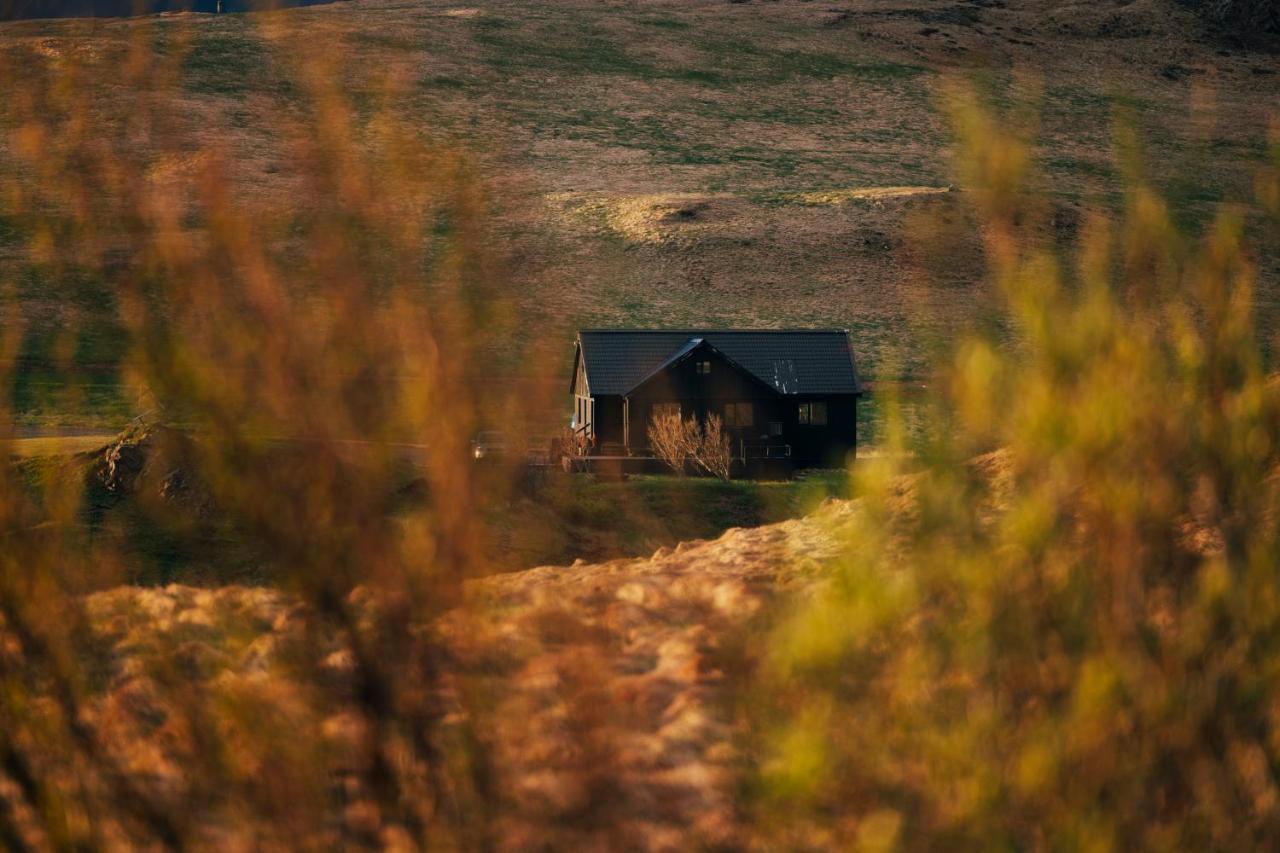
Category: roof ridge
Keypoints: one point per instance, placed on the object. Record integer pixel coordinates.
(704, 330)
(791, 361)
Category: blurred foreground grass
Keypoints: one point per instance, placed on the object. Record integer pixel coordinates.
(1058, 629)
(1071, 642)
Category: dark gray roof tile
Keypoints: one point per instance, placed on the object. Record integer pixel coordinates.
(792, 361)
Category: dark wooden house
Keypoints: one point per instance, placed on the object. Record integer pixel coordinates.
(789, 393)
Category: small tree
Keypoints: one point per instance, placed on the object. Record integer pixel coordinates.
(673, 439)
(714, 453)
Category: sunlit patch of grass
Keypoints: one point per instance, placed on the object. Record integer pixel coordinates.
(55, 446)
(582, 518)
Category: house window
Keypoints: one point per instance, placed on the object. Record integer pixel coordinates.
(775, 428)
(663, 410)
(813, 414)
(739, 415)
(704, 368)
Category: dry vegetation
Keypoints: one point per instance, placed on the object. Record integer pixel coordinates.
(685, 442)
(1053, 626)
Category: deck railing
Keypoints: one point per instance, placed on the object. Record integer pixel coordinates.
(764, 451)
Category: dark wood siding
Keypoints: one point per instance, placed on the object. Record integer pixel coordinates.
(608, 420)
(828, 444)
(705, 382)
(701, 394)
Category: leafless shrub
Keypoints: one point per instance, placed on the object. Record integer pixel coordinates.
(673, 439)
(680, 441)
(713, 452)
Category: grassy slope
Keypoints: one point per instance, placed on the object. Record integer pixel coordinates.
(600, 121)
(554, 520)
(578, 518)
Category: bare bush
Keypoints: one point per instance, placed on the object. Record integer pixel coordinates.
(674, 440)
(714, 453)
(680, 441)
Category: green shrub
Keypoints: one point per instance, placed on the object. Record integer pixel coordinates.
(1064, 631)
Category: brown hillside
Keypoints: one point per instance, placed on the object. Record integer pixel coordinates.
(779, 126)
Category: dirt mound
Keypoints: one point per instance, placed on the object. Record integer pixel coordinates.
(661, 218)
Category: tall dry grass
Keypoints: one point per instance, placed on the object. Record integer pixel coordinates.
(306, 344)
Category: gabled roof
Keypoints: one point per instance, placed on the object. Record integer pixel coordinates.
(791, 361)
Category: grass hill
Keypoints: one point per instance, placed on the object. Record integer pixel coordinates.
(753, 164)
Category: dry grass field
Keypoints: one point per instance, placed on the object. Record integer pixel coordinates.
(749, 164)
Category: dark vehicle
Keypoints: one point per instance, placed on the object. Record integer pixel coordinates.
(490, 445)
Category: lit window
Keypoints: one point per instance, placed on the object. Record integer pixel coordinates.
(813, 414)
(739, 415)
(704, 368)
(665, 410)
